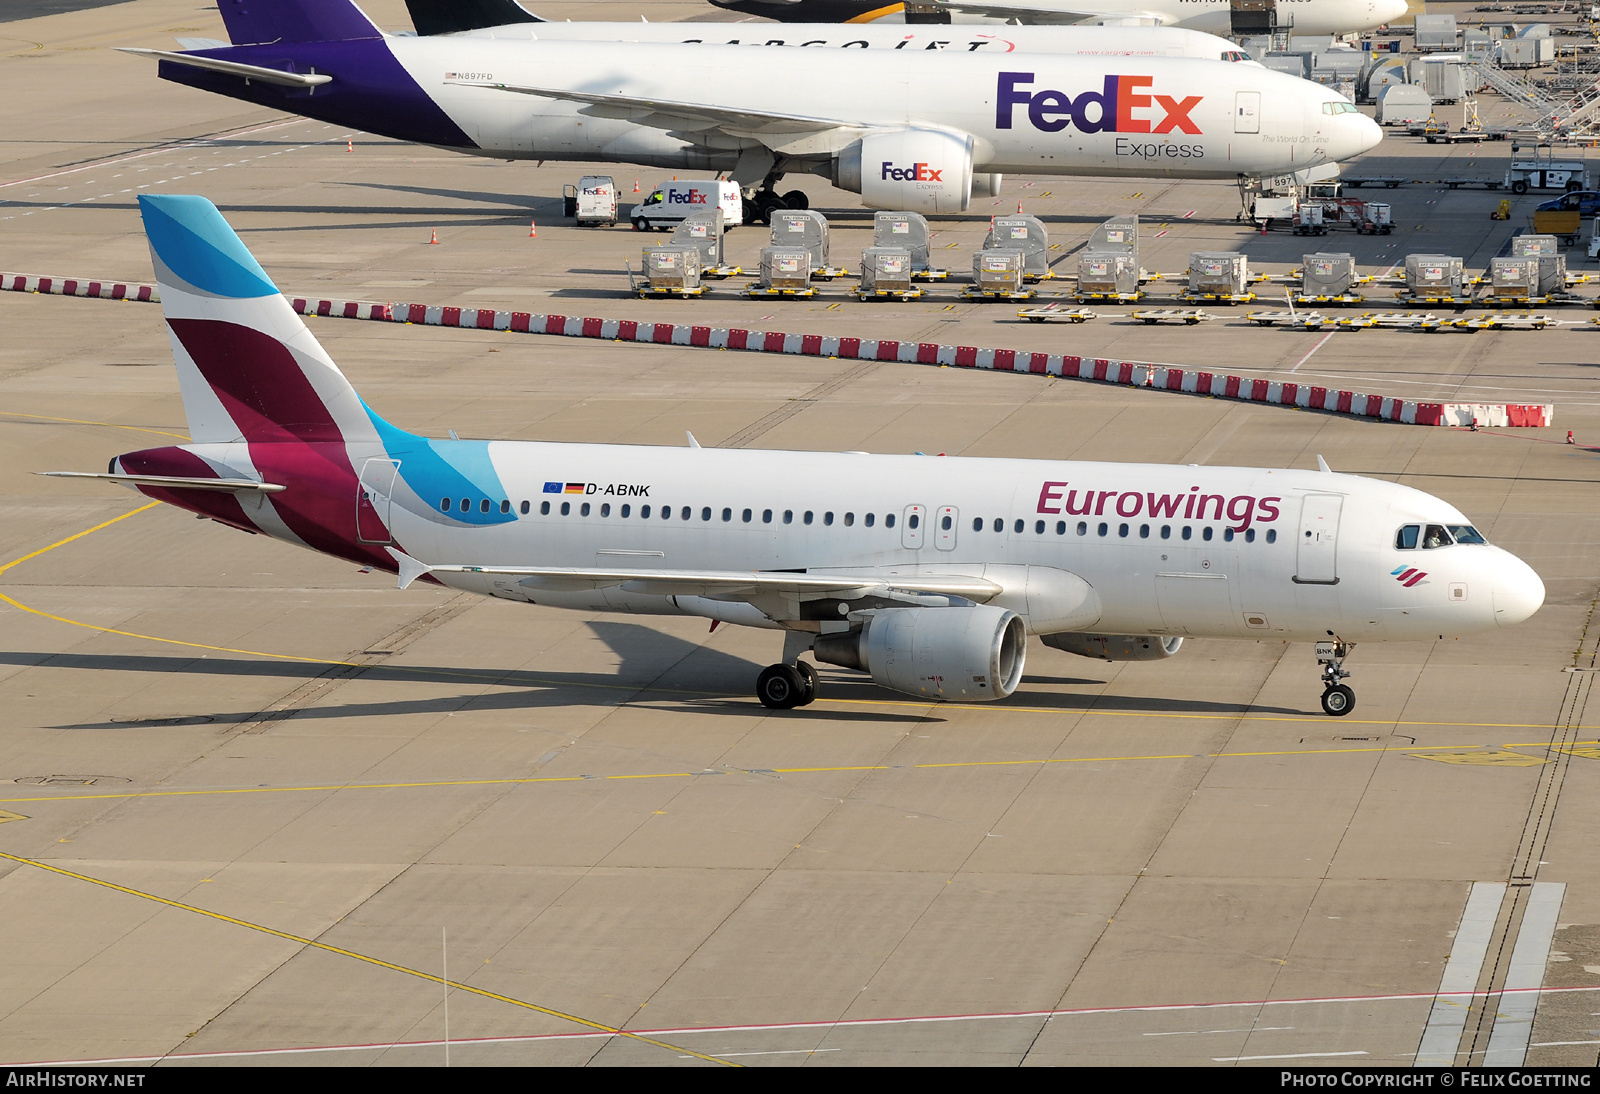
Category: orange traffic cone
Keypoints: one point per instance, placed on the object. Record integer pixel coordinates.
(1019, 207)
(636, 186)
(349, 145)
(533, 229)
(435, 238)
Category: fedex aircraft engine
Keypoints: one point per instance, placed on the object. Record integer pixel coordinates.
(919, 170)
(953, 653)
(1115, 647)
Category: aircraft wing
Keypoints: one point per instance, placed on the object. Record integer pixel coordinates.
(234, 68)
(726, 584)
(1035, 12)
(672, 115)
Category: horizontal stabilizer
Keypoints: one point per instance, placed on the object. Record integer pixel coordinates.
(234, 68)
(174, 482)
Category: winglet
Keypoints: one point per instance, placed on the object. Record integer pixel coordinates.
(692, 442)
(1322, 465)
(410, 568)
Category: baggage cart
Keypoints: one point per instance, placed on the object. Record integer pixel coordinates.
(809, 229)
(1055, 313)
(1434, 279)
(669, 270)
(1219, 276)
(886, 275)
(1026, 234)
(1328, 278)
(785, 271)
(997, 274)
(1109, 276)
(908, 230)
(704, 231)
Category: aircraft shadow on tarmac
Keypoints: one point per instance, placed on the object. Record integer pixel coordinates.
(667, 673)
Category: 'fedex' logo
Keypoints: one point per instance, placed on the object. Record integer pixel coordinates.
(917, 172)
(689, 197)
(1110, 110)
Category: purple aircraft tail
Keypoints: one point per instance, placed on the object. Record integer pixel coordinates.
(263, 22)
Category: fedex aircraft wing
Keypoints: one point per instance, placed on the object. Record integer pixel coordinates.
(923, 130)
(927, 573)
(1226, 17)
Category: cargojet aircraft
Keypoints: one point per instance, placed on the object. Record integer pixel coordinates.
(927, 573)
(1231, 17)
(505, 19)
(922, 131)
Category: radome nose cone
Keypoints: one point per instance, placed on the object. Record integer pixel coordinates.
(1518, 592)
(1371, 134)
(1391, 10)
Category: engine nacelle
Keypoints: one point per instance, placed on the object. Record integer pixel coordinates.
(1115, 647)
(968, 654)
(920, 170)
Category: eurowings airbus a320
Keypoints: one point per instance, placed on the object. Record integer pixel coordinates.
(928, 573)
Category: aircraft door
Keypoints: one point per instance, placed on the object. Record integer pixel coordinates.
(1251, 17)
(944, 532)
(373, 504)
(1247, 112)
(911, 528)
(1316, 561)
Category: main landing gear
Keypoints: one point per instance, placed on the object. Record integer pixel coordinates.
(783, 687)
(1337, 699)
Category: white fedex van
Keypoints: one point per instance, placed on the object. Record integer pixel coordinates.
(670, 202)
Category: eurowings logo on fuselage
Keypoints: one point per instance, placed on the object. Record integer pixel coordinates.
(1116, 108)
(1408, 576)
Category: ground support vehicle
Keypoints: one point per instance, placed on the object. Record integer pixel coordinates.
(1055, 313)
(1186, 316)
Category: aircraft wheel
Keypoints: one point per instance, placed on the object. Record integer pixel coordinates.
(796, 199)
(809, 678)
(780, 687)
(1338, 701)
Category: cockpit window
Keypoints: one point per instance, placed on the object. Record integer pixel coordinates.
(1235, 55)
(1339, 108)
(1434, 535)
(1406, 538)
(1466, 533)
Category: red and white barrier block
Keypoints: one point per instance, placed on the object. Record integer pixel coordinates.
(1104, 370)
(341, 309)
(73, 286)
(1125, 373)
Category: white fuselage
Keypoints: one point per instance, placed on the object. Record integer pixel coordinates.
(1136, 41)
(1304, 17)
(1031, 113)
(1226, 552)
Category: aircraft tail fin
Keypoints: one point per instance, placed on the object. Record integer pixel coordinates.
(453, 16)
(248, 368)
(263, 22)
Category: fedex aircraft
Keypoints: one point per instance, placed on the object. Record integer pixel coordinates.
(1231, 17)
(964, 117)
(504, 19)
(927, 573)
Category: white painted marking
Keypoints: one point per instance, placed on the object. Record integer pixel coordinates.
(1288, 1056)
(1320, 343)
(1513, 1020)
(1187, 1032)
(1442, 1035)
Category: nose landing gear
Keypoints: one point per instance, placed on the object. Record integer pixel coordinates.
(1337, 699)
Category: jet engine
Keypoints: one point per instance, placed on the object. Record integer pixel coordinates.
(1115, 647)
(967, 654)
(919, 170)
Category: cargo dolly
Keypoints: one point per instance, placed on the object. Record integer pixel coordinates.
(1055, 313)
(1426, 322)
(1186, 316)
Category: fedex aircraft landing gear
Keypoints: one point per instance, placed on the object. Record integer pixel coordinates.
(1337, 699)
(783, 687)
